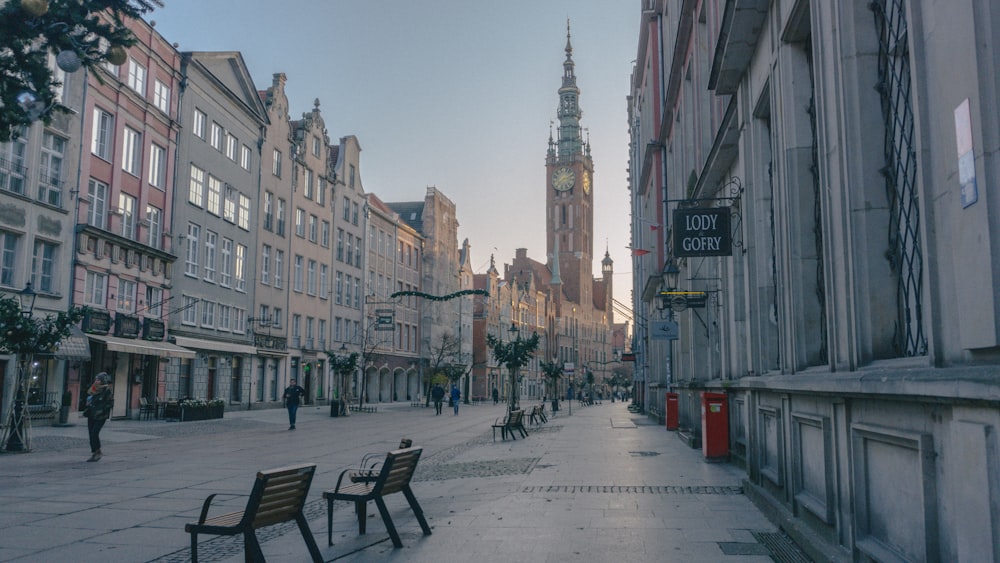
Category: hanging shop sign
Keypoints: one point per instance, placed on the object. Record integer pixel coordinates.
(153, 329)
(702, 232)
(127, 326)
(97, 322)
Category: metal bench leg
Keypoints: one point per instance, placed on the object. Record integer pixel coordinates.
(194, 547)
(361, 508)
(251, 549)
(329, 521)
(300, 519)
(388, 522)
(417, 511)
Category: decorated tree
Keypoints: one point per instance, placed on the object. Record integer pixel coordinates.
(553, 371)
(343, 366)
(79, 33)
(23, 335)
(514, 354)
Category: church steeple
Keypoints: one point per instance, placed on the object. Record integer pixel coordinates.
(570, 140)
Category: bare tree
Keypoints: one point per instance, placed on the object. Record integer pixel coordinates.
(444, 355)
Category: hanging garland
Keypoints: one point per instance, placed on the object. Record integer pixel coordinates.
(440, 297)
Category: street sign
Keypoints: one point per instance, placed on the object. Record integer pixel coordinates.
(384, 321)
(664, 330)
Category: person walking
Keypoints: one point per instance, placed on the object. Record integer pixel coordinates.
(496, 395)
(437, 393)
(100, 399)
(455, 396)
(293, 395)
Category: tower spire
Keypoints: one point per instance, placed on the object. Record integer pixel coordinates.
(570, 140)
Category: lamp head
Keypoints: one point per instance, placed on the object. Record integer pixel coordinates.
(670, 274)
(27, 297)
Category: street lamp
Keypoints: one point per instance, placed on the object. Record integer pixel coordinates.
(27, 298)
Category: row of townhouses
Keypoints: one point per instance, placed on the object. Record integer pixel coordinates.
(222, 248)
(821, 261)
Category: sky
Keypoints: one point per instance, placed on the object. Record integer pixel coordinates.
(455, 94)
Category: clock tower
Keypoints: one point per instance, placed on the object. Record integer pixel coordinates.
(569, 197)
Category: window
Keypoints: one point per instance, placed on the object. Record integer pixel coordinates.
(347, 209)
(276, 163)
(357, 293)
(279, 317)
(161, 96)
(340, 245)
(296, 327)
(101, 140)
(50, 182)
(336, 329)
(190, 310)
(268, 211)
(97, 212)
(226, 263)
(324, 281)
(244, 217)
(43, 267)
(95, 288)
(225, 317)
(154, 302)
(311, 278)
(240, 271)
(136, 77)
(191, 260)
(338, 291)
(300, 222)
(8, 257)
(245, 158)
(229, 211)
(216, 139)
(207, 314)
(214, 203)
(196, 187)
(239, 320)
(231, 144)
(297, 273)
(316, 146)
(126, 206)
(279, 264)
(12, 170)
(154, 216)
(347, 290)
(354, 214)
(265, 264)
(281, 217)
(351, 176)
(313, 228)
(325, 234)
(211, 239)
(357, 253)
(131, 151)
(126, 296)
(321, 193)
(157, 166)
(199, 124)
(322, 334)
(349, 255)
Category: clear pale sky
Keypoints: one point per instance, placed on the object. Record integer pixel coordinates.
(456, 94)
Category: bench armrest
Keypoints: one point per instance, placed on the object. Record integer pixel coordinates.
(204, 508)
(340, 478)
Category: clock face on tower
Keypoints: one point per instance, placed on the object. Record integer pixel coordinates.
(586, 182)
(563, 178)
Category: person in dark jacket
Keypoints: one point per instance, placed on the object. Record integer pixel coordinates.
(293, 396)
(437, 394)
(100, 399)
(455, 396)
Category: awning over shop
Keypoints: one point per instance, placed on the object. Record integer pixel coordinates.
(215, 345)
(144, 347)
(73, 347)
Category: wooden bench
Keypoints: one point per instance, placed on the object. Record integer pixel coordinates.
(368, 470)
(394, 477)
(278, 496)
(537, 415)
(513, 421)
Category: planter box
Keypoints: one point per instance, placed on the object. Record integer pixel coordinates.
(200, 413)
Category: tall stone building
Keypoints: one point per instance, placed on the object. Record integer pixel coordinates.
(852, 327)
(218, 178)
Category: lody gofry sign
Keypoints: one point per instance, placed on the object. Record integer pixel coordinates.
(702, 232)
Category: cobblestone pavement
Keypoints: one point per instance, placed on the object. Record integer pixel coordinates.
(602, 484)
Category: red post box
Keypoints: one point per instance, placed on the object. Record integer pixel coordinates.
(672, 416)
(714, 426)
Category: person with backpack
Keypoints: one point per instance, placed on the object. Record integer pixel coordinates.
(455, 396)
(100, 399)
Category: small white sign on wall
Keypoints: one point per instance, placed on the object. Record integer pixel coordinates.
(966, 156)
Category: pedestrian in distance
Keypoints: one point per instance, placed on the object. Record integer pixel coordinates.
(437, 394)
(293, 395)
(100, 399)
(455, 396)
(496, 396)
